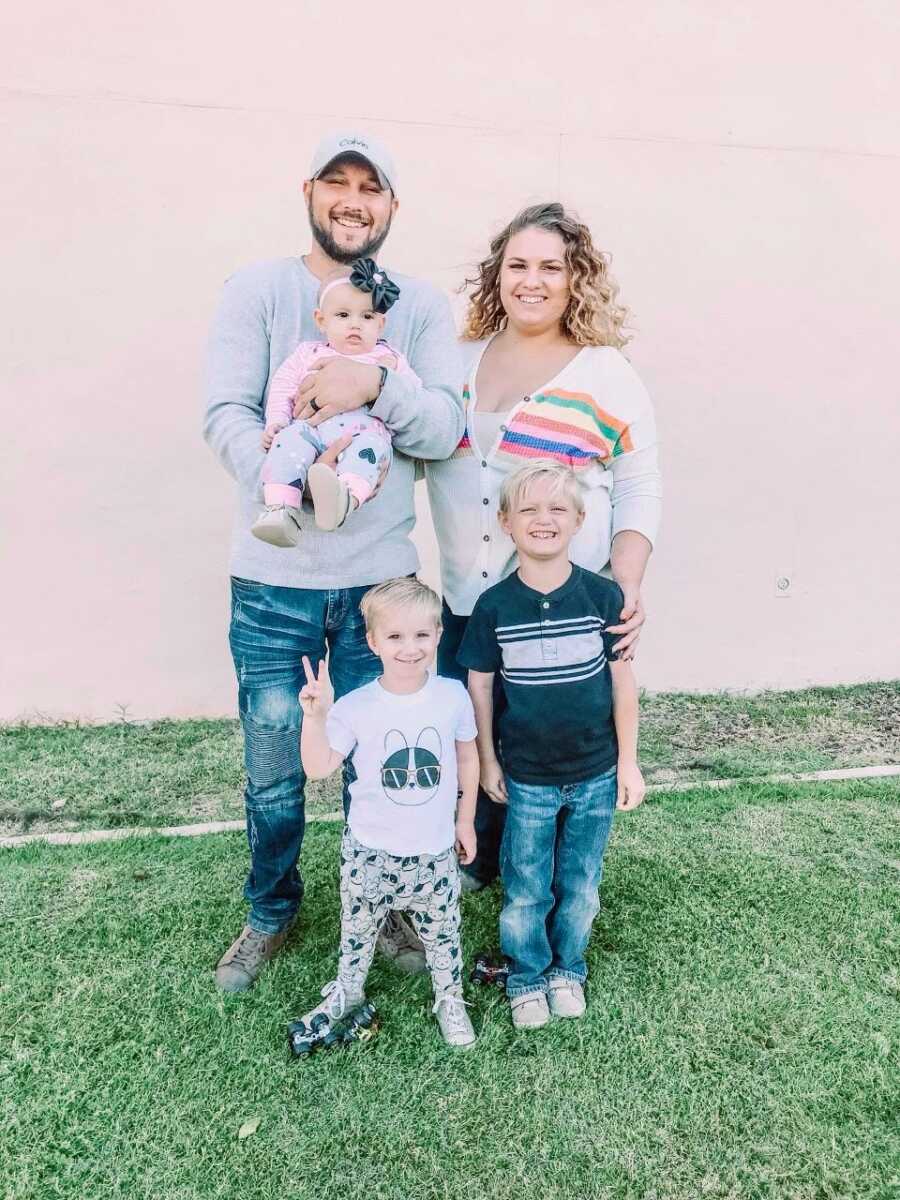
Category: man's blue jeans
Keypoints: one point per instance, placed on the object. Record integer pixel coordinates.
(551, 861)
(271, 629)
(489, 817)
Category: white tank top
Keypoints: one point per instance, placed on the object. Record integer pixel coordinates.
(487, 428)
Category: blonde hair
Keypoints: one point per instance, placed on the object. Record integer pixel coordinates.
(399, 593)
(563, 481)
(592, 316)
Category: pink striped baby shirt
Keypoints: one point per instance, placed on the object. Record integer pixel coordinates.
(295, 368)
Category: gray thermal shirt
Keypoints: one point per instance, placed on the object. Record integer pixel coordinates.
(266, 310)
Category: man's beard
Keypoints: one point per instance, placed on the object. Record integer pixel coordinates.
(337, 253)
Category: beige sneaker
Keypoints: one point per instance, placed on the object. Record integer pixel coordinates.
(399, 942)
(529, 1011)
(453, 1020)
(279, 525)
(245, 958)
(566, 997)
(330, 496)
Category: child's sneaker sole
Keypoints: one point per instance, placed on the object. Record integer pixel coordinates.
(330, 497)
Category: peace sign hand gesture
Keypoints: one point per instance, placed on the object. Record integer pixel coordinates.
(317, 695)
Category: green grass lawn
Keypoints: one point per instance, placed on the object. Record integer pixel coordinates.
(742, 1039)
(69, 777)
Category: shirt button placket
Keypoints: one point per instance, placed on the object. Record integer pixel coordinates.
(485, 537)
(546, 648)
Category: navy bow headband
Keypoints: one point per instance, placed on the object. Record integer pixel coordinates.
(367, 276)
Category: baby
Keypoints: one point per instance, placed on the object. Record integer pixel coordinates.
(351, 314)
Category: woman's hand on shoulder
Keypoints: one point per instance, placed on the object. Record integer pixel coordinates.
(632, 617)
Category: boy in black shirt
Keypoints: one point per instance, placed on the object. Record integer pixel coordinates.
(569, 738)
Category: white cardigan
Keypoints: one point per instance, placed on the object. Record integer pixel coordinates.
(595, 416)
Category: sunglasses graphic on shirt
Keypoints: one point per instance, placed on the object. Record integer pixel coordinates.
(411, 775)
(398, 777)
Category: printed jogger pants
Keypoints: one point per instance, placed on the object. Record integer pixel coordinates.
(426, 886)
(362, 466)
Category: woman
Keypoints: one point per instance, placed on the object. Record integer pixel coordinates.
(546, 379)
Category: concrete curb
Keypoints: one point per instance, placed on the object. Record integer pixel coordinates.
(836, 776)
(87, 837)
(90, 836)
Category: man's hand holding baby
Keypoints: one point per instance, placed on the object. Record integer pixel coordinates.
(335, 386)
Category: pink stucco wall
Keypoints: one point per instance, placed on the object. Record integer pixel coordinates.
(741, 163)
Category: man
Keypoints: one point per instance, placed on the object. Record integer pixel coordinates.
(287, 603)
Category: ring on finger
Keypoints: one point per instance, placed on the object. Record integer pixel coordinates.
(313, 405)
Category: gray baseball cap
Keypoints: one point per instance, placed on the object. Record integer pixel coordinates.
(343, 143)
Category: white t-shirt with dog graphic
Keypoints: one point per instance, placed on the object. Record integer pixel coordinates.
(403, 750)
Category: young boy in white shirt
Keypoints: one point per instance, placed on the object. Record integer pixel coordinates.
(411, 736)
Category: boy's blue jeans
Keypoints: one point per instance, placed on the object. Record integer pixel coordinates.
(271, 629)
(551, 861)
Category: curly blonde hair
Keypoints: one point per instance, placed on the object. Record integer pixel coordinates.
(592, 316)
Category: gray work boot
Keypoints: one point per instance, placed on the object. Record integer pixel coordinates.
(399, 942)
(245, 958)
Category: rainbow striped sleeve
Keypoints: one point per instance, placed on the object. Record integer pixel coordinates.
(465, 443)
(570, 427)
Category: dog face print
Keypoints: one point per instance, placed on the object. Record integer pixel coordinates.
(410, 775)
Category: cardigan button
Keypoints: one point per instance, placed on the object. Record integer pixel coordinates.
(486, 538)
(484, 574)
(483, 463)
(546, 604)
(485, 501)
